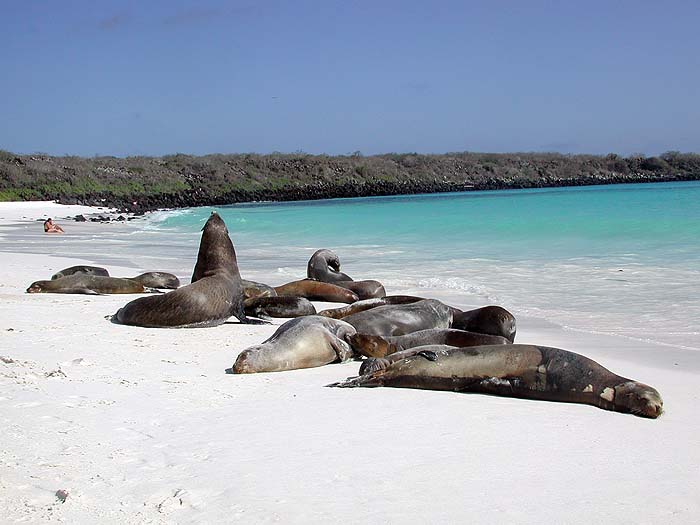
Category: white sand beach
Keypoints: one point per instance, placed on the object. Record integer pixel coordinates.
(144, 426)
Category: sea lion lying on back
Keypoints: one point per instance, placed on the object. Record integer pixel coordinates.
(316, 291)
(214, 295)
(87, 284)
(305, 342)
(378, 346)
(402, 319)
(525, 371)
(324, 265)
(492, 320)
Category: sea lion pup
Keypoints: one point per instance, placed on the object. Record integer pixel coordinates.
(305, 342)
(278, 307)
(368, 289)
(368, 304)
(87, 284)
(492, 320)
(525, 371)
(316, 291)
(158, 280)
(214, 295)
(252, 289)
(324, 266)
(377, 346)
(81, 269)
(402, 319)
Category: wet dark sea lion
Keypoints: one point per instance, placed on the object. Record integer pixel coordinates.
(492, 320)
(324, 265)
(368, 289)
(524, 371)
(402, 319)
(252, 289)
(158, 280)
(87, 284)
(368, 304)
(377, 346)
(81, 269)
(214, 295)
(278, 307)
(305, 342)
(316, 291)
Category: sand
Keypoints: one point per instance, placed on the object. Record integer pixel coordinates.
(143, 426)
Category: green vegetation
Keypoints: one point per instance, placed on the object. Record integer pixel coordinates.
(142, 183)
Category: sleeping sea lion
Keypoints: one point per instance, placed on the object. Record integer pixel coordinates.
(87, 284)
(402, 319)
(324, 266)
(158, 280)
(492, 320)
(305, 342)
(278, 307)
(252, 289)
(316, 291)
(214, 295)
(368, 304)
(364, 289)
(525, 371)
(81, 269)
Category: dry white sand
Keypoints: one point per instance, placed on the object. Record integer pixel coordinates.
(143, 426)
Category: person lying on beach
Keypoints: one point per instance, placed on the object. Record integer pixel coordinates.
(51, 227)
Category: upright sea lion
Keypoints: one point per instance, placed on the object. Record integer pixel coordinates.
(305, 342)
(252, 289)
(214, 295)
(324, 266)
(278, 307)
(402, 319)
(525, 371)
(377, 346)
(158, 280)
(492, 320)
(87, 284)
(364, 289)
(81, 269)
(368, 304)
(316, 291)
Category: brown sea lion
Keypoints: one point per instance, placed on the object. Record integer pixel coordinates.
(278, 307)
(158, 280)
(368, 304)
(252, 289)
(364, 289)
(402, 319)
(492, 320)
(377, 346)
(305, 342)
(324, 266)
(525, 371)
(87, 284)
(81, 269)
(316, 291)
(214, 295)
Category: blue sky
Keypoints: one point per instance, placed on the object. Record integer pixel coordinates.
(159, 77)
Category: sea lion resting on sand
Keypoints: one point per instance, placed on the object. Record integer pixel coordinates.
(324, 265)
(252, 289)
(148, 279)
(368, 304)
(402, 319)
(316, 291)
(492, 320)
(305, 342)
(525, 371)
(215, 294)
(87, 284)
(278, 307)
(377, 346)
(81, 269)
(364, 289)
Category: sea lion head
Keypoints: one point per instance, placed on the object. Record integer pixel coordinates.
(637, 398)
(36, 287)
(373, 364)
(371, 345)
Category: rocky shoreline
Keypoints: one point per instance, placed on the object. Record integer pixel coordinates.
(135, 185)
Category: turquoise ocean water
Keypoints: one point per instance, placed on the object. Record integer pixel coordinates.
(621, 259)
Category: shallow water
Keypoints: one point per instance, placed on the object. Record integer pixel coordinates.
(622, 259)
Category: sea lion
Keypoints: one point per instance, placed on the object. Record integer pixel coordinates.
(402, 319)
(252, 289)
(214, 295)
(364, 289)
(368, 304)
(305, 342)
(492, 320)
(87, 284)
(316, 291)
(324, 266)
(158, 280)
(278, 307)
(377, 346)
(81, 269)
(525, 371)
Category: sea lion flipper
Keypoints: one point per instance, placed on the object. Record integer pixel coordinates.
(428, 354)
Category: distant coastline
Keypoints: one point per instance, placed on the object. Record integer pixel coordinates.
(139, 184)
